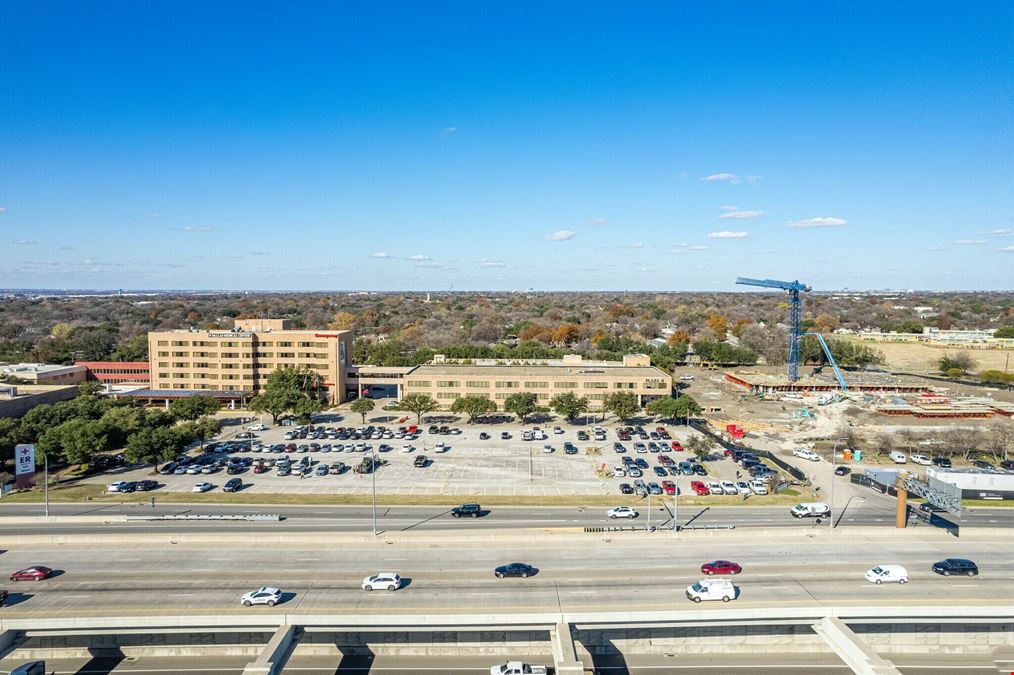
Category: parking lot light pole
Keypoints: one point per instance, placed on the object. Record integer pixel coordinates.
(834, 466)
(649, 510)
(675, 504)
(373, 477)
(45, 460)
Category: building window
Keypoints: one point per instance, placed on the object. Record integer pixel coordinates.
(565, 385)
(596, 385)
(507, 384)
(476, 384)
(536, 385)
(419, 384)
(448, 383)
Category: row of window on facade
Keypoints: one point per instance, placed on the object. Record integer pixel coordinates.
(247, 355)
(516, 384)
(246, 343)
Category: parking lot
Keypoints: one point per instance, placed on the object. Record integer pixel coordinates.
(458, 464)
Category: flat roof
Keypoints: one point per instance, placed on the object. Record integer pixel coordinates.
(28, 368)
(583, 370)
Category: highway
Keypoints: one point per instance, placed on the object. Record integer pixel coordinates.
(456, 576)
(859, 512)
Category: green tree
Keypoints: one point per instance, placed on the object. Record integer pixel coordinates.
(996, 377)
(701, 446)
(623, 404)
(133, 349)
(44, 417)
(122, 421)
(473, 406)
(671, 408)
(1004, 332)
(204, 428)
(418, 404)
(10, 435)
(90, 388)
(522, 404)
(193, 407)
(287, 389)
(569, 405)
(363, 406)
(959, 361)
(77, 441)
(157, 444)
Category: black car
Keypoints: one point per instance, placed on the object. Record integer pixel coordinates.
(473, 510)
(1007, 464)
(421, 461)
(983, 464)
(483, 436)
(660, 471)
(699, 470)
(145, 485)
(951, 566)
(168, 468)
(928, 507)
(505, 436)
(234, 469)
(232, 485)
(625, 489)
(641, 462)
(842, 471)
(569, 448)
(514, 569)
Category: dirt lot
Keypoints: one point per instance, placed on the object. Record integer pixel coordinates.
(923, 358)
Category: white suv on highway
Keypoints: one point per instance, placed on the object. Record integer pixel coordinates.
(265, 595)
(383, 580)
(622, 512)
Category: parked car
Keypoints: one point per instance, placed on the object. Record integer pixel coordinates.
(514, 569)
(887, 574)
(983, 464)
(232, 485)
(758, 487)
(700, 488)
(202, 487)
(120, 486)
(720, 567)
(471, 510)
(699, 469)
(569, 448)
(743, 487)
(384, 580)
(669, 487)
(922, 459)
(621, 512)
(715, 488)
(626, 489)
(34, 573)
(660, 471)
(942, 462)
(950, 566)
(421, 461)
(654, 488)
(842, 470)
(806, 454)
(265, 595)
(729, 488)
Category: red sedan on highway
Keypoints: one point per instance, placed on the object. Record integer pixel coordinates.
(720, 567)
(36, 573)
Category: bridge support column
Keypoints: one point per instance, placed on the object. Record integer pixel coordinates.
(564, 655)
(9, 639)
(856, 654)
(275, 653)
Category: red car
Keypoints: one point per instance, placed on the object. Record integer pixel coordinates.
(676, 446)
(700, 488)
(37, 573)
(720, 567)
(669, 487)
(665, 460)
(260, 468)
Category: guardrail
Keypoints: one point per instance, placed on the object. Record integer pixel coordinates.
(210, 516)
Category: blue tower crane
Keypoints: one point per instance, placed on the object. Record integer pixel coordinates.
(795, 315)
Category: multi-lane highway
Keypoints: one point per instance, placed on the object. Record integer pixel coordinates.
(858, 512)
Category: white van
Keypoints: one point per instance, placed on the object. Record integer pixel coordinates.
(897, 457)
(887, 573)
(811, 510)
(712, 589)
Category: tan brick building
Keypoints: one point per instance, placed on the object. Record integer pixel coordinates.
(242, 358)
(593, 380)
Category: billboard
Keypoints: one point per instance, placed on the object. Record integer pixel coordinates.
(24, 459)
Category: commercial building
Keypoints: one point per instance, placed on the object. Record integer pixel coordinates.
(43, 373)
(446, 382)
(18, 399)
(116, 372)
(240, 360)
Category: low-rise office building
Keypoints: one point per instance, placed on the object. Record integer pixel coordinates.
(44, 373)
(446, 382)
(240, 360)
(116, 372)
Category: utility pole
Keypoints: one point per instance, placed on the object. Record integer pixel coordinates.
(675, 504)
(649, 510)
(373, 477)
(45, 459)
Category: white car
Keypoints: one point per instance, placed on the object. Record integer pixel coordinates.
(442, 447)
(758, 487)
(117, 486)
(743, 487)
(921, 459)
(265, 595)
(622, 512)
(257, 427)
(557, 430)
(517, 668)
(729, 488)
(618, 472)
(407, 448)
(715, 488)
(202, 487)
(547, 448)
(383, 580)
(686, 378)
(806, 454)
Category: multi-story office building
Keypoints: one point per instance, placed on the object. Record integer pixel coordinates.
(593, 380)
(241, 359)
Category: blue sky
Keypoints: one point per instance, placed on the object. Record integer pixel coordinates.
(506, 146)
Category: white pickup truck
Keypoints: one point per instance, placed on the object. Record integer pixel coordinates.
(517, 668)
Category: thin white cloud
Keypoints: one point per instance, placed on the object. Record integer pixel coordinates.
(818, 221)
(379, 254)
(728, 234)
(597, 221)
(742, 215)
(1006, 249)
(728, 208)
(999, 232)
(2, 209)
(970, 242)
(427, 263)
(698, 248)
(686, 248)
(560, 235)
(25, 242)
(191, 228)
(491, 263)
(723, 177)
(636, 244)
(418, 258)
(450, 130)
(937, 248)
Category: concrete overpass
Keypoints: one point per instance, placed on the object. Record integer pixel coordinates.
(865, 638)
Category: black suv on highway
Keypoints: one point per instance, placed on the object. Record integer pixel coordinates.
(473, 510)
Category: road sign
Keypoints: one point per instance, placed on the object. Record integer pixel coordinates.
(24, 459)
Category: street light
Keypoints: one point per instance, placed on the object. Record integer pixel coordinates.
(675, 504)
(834, 466)
(373, 478)
(45, 460)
